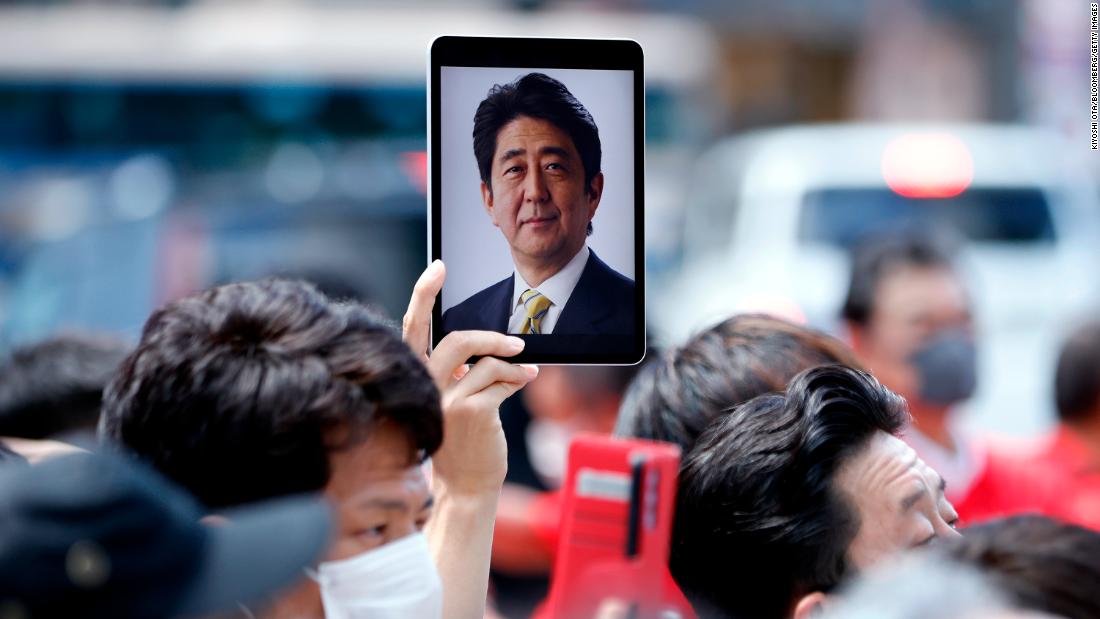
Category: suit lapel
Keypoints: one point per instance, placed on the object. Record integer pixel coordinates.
(498, 308)
(584, 310)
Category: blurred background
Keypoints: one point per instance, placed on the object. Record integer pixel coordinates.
(152, 149)
(149, 149)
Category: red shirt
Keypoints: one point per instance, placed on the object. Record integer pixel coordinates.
(1004, 485)
(545, 520)
(1069, 465)
(985, 480)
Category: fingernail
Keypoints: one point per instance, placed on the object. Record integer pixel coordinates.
(532, 370)
(516, 343)
(435, 266)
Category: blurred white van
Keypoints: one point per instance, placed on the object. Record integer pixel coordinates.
(775, 213)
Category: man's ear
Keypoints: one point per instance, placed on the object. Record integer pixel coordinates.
(487, 200)
(810, 605)
(595, 192)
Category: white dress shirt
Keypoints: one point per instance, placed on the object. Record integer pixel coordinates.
(558, 288)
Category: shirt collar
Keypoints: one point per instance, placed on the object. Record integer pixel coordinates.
(559, 287)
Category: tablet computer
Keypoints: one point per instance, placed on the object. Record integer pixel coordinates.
(536, 156)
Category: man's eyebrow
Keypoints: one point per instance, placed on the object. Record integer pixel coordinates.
(393, 504)
(513, 152)
(554, 150)
(384, 504)
(908, 502)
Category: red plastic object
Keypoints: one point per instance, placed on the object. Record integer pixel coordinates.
(618, 502)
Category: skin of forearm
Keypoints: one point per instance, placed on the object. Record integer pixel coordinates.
(460, 534)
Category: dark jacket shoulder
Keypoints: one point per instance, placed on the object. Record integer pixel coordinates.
(601, 303)
(484, 310)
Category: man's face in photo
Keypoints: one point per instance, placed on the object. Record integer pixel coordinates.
(537, 196)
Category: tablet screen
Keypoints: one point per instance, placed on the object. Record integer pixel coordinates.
(536, 206)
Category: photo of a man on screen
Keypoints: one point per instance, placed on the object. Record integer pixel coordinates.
(538, 153)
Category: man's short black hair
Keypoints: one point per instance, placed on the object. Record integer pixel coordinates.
(1077, 379)
(535, 95)
(759, 521)
(683, 391)
(56, 386)
(879, 255)
(1042, 564)
(241, 392)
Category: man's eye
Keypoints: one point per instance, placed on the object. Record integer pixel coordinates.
(512, 169)
(555, 166)
(374, 532)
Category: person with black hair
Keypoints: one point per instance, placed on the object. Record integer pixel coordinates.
(1042, 564)
(256, 390)
(908, 312)
(789, 493)
(684, 390)
(538, 153)
(1070, 455)
(1023, 566)
(910, 318)
(55, 386)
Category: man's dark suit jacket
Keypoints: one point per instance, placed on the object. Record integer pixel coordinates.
(601, 304)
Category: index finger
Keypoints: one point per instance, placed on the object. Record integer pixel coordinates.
(458, 346)
(417, 322)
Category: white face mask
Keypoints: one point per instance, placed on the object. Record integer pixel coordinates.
(397, 580)
(548, 449)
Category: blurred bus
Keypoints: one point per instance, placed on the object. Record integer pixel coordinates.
(777, 211)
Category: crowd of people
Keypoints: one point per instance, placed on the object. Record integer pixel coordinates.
(268, 451)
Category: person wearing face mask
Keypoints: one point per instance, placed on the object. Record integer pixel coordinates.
(910, 320)
(264, 389)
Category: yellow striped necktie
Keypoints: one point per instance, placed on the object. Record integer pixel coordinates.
(535, 305)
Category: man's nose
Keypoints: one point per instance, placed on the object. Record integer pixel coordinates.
(403, 527)
(535, 189)
(946, 531)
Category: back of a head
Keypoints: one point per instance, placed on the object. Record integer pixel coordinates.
(1042, 564)
(1077, 379)
(921, 585)
(55, 386)
(758, 519)
(680, 394)
(241, 392)
(879, 255)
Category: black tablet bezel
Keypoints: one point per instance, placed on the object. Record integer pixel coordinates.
(607, 54)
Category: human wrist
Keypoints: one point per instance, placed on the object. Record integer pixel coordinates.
(468, 495)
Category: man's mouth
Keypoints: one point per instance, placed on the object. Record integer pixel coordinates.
(539, 221)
